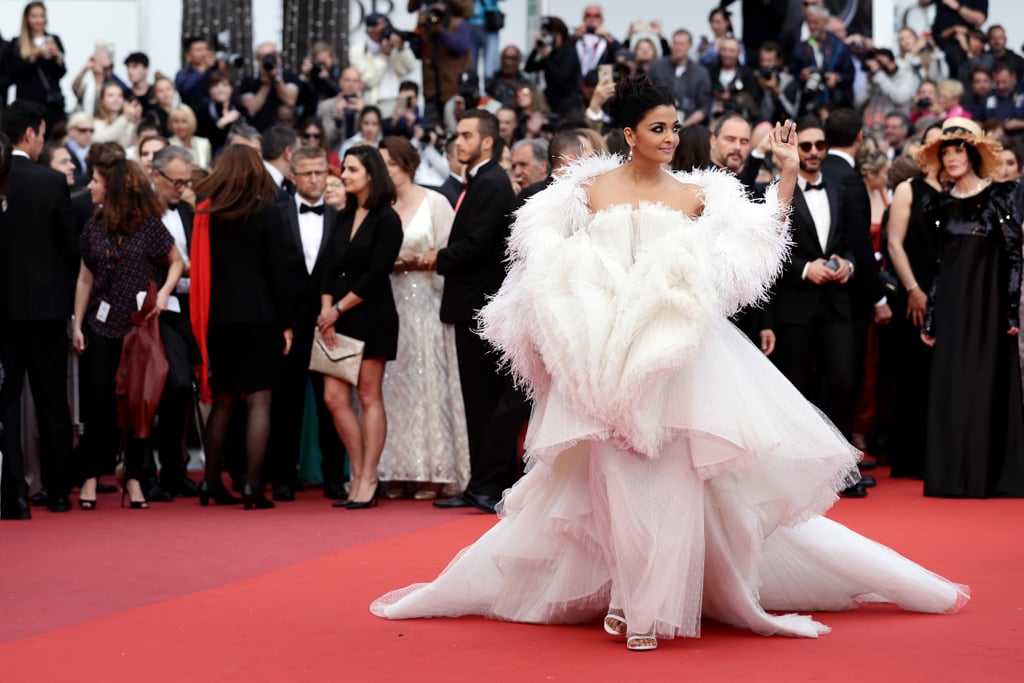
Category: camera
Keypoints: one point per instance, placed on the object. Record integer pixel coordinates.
(232, 59)
(437, 15)
(269, 62)
(591, 30)
(389, 31)
(766, 74)
(815, 82)
(545, 40)
(923, 103)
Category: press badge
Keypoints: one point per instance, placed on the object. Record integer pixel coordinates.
(103, 311)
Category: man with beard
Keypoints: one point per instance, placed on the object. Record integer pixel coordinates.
(811, 304)
(473, 266)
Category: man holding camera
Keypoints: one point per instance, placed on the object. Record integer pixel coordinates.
(384, 60)
(813, 315)
(339, 115)
(269, 89)
(734, 86)
(891, 84)
(824, 65)
(443, 45)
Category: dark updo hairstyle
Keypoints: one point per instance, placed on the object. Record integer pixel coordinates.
(634, 97)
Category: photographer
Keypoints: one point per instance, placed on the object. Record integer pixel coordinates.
(924, 103)
(891, 86)
(318, 77)
(270, 88)
(384, 60)
(780, 96)
(554, 54)
(824, 65)
(443, 45)
(339, 114)
(734, 86)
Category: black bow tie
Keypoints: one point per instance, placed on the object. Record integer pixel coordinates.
(174, 206)
(306, 208)
(812, 186)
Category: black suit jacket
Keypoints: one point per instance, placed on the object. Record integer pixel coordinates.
(797, 301)
(868, 287)
(304, 287)
(39, 252)
(473, 262)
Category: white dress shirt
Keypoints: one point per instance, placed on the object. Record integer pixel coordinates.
(821, 212)
(311, 231)
(172, 221)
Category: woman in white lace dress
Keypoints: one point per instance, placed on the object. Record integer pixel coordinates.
(675, 473)
(427, 448)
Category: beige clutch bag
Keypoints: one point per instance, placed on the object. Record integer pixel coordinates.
(341, 362)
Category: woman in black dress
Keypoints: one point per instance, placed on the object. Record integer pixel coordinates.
(357, 302)
(975, 444)
(913, 251)
(239, 311)
(36, 62)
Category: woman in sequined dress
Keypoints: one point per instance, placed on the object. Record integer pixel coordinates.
(427, 448)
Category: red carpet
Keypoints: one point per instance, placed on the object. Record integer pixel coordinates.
(179, 592)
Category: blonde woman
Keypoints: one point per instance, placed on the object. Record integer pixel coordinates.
(37, 64)
(182, 122)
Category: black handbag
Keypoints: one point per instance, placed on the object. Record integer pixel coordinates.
(494, 20)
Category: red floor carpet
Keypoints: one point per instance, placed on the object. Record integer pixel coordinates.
(183, 593)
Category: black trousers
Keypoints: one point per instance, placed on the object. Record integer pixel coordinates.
(501, 443)
(482, 389)
(286, 412)
(820, 360)
(39, 349)
(102, 438)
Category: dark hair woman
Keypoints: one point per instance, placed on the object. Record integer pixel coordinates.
(239, 304)
(674, 471)
(975, 434)
(124, 247)
(358, 302)
(37, 64)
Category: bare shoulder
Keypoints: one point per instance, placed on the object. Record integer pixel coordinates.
(605, 190)
(685, 197)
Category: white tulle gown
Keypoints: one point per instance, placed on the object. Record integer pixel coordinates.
(427, 440)
(675, 472)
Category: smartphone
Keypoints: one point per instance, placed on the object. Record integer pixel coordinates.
(408, 103)
(39, 41)
(604, 74)
(832, 264)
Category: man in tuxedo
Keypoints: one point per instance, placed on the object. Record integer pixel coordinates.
(473, 268)
(171, 176)
(39, 261)
(303, 240)
(844, 134)
(813, 315)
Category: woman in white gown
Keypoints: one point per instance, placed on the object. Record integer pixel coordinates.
(674, 472)
(427, 444)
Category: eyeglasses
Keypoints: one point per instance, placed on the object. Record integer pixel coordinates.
(84, 130)
(307, 174)
(807, 146)
(311, 136)
(178, 184)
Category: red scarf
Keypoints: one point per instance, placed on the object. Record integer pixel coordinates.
(200, 293)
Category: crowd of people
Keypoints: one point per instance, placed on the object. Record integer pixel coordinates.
(274, 211)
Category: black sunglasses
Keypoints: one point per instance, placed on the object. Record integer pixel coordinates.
(807, 146)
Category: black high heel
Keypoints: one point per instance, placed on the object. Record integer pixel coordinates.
(255, 499)
(133, 504)
(219, 495)
(372, 503)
